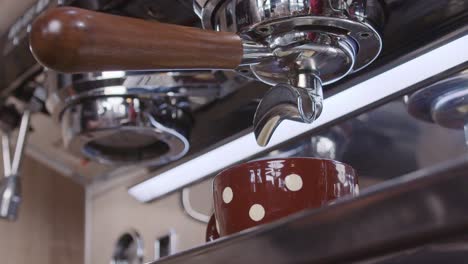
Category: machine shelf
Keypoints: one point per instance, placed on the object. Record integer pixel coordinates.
(416, 217)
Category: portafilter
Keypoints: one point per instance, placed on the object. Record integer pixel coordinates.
(296, 46)
(113, 122)
(119, 118)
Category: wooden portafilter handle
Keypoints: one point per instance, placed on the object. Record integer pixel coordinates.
(73, 40)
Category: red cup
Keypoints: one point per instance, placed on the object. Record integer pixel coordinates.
(259, 192)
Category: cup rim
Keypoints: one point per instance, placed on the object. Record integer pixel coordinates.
(291, 158)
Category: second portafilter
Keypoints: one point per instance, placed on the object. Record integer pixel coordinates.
(444, 103)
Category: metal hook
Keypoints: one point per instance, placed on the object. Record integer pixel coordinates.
(21, 142)
(10, 189)
(6, 154)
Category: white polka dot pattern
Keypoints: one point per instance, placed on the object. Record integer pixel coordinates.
(293, 182)
(341, 169)
(228, 195)
(257, 212)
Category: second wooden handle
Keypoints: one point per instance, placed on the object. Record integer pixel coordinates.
(72, 40)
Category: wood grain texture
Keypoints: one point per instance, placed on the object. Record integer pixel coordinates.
(50, 227)
(74, 40)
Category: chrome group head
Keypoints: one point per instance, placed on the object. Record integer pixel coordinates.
(295, 46)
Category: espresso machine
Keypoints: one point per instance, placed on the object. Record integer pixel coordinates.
(150, 100)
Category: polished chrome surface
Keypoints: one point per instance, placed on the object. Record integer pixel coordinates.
(21, 142)
(10, 186)
(421, 103)
(451, 109)
(128, 249)
(287, 102)
(252, 12)
(323, 35)
(201, 88)
(444, 103)
(6, 154)
(293, 55)
(287, 42)
(123, 129)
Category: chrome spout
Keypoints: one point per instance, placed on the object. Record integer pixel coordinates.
(283, 101)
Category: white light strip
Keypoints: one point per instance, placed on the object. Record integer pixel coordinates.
(336, 106)
(112, 74)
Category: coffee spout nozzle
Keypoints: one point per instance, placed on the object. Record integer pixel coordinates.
(300, 102)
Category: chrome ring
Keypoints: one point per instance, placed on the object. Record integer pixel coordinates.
(110, 130)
